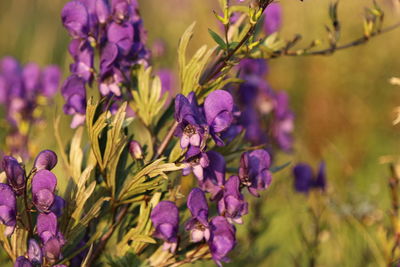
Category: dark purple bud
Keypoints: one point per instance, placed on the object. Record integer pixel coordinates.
(273, 18)
(198, 224)
(35, 252)
(222, 239)
(218, 107)
(22, 262)
(232, 205)
(44, 183)
(254, 171)
(135, 150)
(45, 160)
(15, 174)
(75, 19)
(303, 177)
(8, 208)
(51, 76)
(165, 218)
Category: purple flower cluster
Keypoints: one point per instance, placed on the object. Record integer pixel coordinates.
(48, 205)
(114, 29)
(199, 125)
(24, 89)
(305, 180)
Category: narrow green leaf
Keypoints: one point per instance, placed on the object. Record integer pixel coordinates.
(217, 39)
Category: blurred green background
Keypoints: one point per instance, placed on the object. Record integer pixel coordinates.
(343, 105)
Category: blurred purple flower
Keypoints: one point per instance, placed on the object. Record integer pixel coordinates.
(273, 18)
(283, 122)
(51, 77)
(222, 239)
(52, 239)
(45, 160)
(254, 171)
(74, 93)
(15, 174)
(8, 209)
(232, 205)
(198, 224)
(43, 185)
(304, 179)
(165, 218)
(75, 19)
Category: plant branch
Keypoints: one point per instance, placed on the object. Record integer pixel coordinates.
(331, 50)
(104, 239)
(166, 140)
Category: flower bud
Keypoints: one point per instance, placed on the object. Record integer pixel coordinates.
(15, 174)
(135, 150)
(21, 261)
(35, 252)
(45, 160)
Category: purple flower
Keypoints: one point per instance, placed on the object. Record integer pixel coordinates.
(21, 261)
(282, 125)
(43, 185)
(58, 206)
(196, 161)
(218, 107)
(190, 120)
(15, 174)
(214, 175)
(232, 205)
(31, 78)
(254, 171)
(165, 218)
(198, 224)
(304, 179)
(52, 239)
(51, 76)
(135, 150)
(75, 19)
(222, 239)
(74, 93)
(273, 18)
(35, 254)
(45, 160)
(8, 208)
(82, 52)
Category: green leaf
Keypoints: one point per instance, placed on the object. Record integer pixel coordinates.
(147, 100)
(278, 168)
(217, 39)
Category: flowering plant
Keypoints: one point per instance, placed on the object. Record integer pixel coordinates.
(153, 178)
